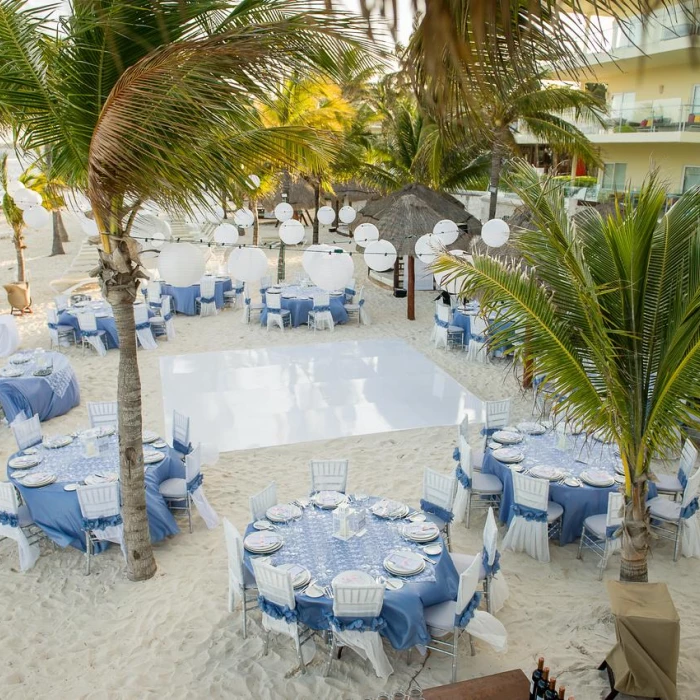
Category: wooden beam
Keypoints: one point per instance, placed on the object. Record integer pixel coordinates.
(411, 296)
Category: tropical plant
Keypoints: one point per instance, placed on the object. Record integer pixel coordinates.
(53, 201)
(608, 310)
(14, 217)
(148, 100)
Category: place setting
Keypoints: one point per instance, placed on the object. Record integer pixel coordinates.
(282, 513)
(34, 480)
(509, 455)
(25, 461)
(389, 509)
(263, 542)
(57, 441)
(420, 532)
(328, 500)
(404, 563)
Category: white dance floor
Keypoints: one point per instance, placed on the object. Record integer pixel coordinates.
(243, 399)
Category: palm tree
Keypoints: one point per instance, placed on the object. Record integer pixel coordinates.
(143, 100)
(14, 217)
(608, 311)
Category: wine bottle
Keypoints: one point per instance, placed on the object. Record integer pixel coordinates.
(551, 693)
(562, 690)
(536, 675)
(542, 684)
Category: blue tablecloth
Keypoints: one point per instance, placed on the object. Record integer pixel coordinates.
(300, 306)
(578, 501)
(184, 297)
(57, 512)
(309, 542)
(104, 323)
(48, 397)
(463, 321)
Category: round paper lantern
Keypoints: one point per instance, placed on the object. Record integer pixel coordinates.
(347, 215)
(149, 259)
(284, 211)
(244, 217)
(158, 237)
(428, 248)
(89, 226)
(181, 264)
(247, 264)
(333, 271)
(13, 187)
(36, 217)
(25, 198)
(366, 233)
(326, 215)
(313, 255)
(495, 233)
(292, 231)
(226, 234)
(152, 231)
(380, 255)
(253, 182)
(447, 231)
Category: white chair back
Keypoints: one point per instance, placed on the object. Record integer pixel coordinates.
(688, 456)
(99, 500)
(165, 305)
(265, 282)
(497, 413)
(355, 601)
(463, 427)
(321, 299)
(62, 302)
(9, 503)
(465, 457)
(51, 315)
(478, 326)
(207, 286)
(103, 413)
(490, 536)
(691, 489)
(153, 291)
(360, 294)
(439, 488)
(260, 502)
(530, 492)
(351, 285)
(234, 549)
(273, 300)
(87, 321)
(468, 583)
(193, 463)
(181, 428)
(442, 311)
(329, 474)
(140, 313)
(27, 432)
(615, 514)
(274, 585)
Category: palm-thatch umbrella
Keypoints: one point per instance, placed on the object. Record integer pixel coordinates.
(301, 196)
(402, 217)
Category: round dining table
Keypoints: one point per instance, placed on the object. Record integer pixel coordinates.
(184, 299)
(299, 301)
(46, 396)
(309, 542)
(57, 511)
(577, 455)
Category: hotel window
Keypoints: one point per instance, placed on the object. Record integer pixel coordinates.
(622, 105)
(614, 176)
(629, 33)
(691, 177)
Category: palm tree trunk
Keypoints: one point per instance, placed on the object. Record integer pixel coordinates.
(635, 536)
(494, 177)
(57, 245)
(19, 250)
(281, 265)
(411, 295)
(317, 204)
(256, 221)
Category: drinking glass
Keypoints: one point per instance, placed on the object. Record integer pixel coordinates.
(415, 694)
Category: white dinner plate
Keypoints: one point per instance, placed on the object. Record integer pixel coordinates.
(353, 576)
(531, 428)
(544, 471)
(433, 549)
(263, 542)
(24, 462)
(508, 455)
(38, 479)
(152, 456)
(283, 512)
(393, 584)
(597, 477)
(70, 487)
(420, 532)
(149, 436)
(263, 525)
(57, 441)
(404, 563)
(506, 437)
(314, 591)
(386, 508)
(329, 499)
(11, 372)
(300, 575)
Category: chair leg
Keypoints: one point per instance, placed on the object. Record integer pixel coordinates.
(189, 511)
(88, 551)
(455, 643)
(487, 594)
(579, 554)
(245, 617)
(266, 642)
(603, 562)
(468, 514)
(677, 544)
(300, 656)
(331, 654)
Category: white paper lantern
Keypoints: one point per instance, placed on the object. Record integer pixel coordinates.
(36, 217)
(89, 226)
(495, 233)
(447, 231)
(284, 211)
(380, 255)
(149, 226)
(25, 198)
(347, 215)
(149, 260)
(428, 248)
(366, 233)
(326, 216)
(247, 264)
(13, 187)
(158, 236)
(333, 271)
(253, 182)
(314, 255)
(226, 234)
(292, 232)
(244, 217)
(181, 264)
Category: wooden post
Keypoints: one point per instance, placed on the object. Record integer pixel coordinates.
(411, 296)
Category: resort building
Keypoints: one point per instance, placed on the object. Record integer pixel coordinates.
(650, 79)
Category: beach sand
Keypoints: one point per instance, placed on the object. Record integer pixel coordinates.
(67, 635)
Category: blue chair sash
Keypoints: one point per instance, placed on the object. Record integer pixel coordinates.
(262, 291)
(89, 334)
(349, 292)
(428, 507)
(193, 485)
(167, 317)
(362, 624)
(463, 619)
(143, 326)
(182, 449)
(478, 338)
(690, 510)
(490, 569)
(530, 514)
(361, 302)
(53, 326)
(10, 519)
(441, 323)
(247, 301)
(279, 612)
(489, 431)
(238, 290)
(155, 304)
(207, 300)
(683, 478)
(463, 477)
(613, 531)
(321, 308)
(456, 454)
(274, 311)
(102, 523)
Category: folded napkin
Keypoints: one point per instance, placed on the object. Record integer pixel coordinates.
(402, 561)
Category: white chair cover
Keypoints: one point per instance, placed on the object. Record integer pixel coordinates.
(462, 496)
(88, 330)
(276, 586)
(167, 314)
(260, 502)
(153, 294)
(102, 501)
(52, 321)
(9, 503)
(329, 474)
(27, 432)
(478, 349)
(103, 413)
(354, 602)
(9, 335)
(275, 313)
(497, 414)
(181, 429)
(207, 296)
(690, 534)
(524, 535)
(439, 334)
(234, 548)
(439, 489)
(498, 587)
(320, 313)
(143, 327)
(62, 302)
(193, 467)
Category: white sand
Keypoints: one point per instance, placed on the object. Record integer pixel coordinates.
(65, 635)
